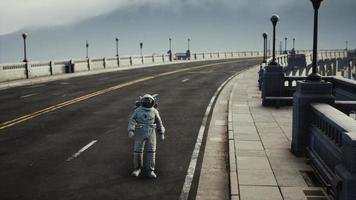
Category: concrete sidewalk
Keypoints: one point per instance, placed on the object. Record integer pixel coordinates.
(260, 164)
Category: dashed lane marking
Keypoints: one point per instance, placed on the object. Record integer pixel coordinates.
(28, 95)
(97, 93)
(81, 150)
(36, 86)
(185, 80)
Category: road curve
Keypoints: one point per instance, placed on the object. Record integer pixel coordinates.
(67, 139)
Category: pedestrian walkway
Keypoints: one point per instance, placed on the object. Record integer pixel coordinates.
(261, 166)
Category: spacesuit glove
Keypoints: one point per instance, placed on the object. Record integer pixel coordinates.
(161, 137)
(131, 134)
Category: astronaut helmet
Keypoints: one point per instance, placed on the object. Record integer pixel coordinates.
(147, 101)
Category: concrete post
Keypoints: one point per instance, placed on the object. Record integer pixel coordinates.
(203, 56)
(307, 92)
(153, 58)
(163, 58)
(333, 67)
(273, 84)
(131, 62)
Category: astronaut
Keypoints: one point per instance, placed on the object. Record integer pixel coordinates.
(145, 121)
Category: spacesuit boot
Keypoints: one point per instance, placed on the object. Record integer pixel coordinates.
(138, 162)
(150, 164)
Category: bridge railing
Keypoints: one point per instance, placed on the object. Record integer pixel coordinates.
(295, 67)
(332, 150)
(24, 70)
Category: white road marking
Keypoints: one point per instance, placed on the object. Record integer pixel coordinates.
(81, 150)
(28, 95)
(185, 80)
(194, 159)
(36, 86)
(201, 72)
(64, 83)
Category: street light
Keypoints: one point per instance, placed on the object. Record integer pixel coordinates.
(170, 50)
(294, 43)
(87, 48)
(141, 46)
(274, 20)
(285, 44)
(24, 36)
(117, 46)
(264, 35)
(188, 44)
(347, 44)
(314, 76)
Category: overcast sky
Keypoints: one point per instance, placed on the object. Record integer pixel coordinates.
(58, 29)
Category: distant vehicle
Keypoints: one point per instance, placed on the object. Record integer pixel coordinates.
(183, 56)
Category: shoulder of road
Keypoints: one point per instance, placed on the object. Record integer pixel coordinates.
(257, 141)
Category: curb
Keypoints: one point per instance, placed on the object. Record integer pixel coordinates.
(233, 175)
(233, 179)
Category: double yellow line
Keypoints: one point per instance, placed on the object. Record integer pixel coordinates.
(94, 94)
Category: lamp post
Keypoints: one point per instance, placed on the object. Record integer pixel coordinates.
(141, 46)
(24, 36)
(117, 47)
(269, 47)
(87, 49)
(347, 44)
(274, 20)
(264, 35)
(294, 43)
(170, 50)
(188, 44)
(285, 44)
(314, 76)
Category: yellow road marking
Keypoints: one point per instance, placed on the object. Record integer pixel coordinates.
(97, 93)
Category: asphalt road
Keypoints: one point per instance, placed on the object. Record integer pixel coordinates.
(42, 126)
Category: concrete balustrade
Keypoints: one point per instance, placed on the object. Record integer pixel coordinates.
(16, 71)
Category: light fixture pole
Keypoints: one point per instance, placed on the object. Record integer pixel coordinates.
(314, 76)
(87, 49)
(141, 46)
(24, 36)
(117, 47)
(274, 20)
(264, 35)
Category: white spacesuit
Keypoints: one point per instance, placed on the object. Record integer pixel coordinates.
(145, 121)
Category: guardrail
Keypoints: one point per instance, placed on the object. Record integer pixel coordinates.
(332, 150)
(25, 70)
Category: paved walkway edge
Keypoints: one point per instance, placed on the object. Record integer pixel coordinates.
(233, 179)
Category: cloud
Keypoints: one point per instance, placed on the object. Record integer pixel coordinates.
(31, 14)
